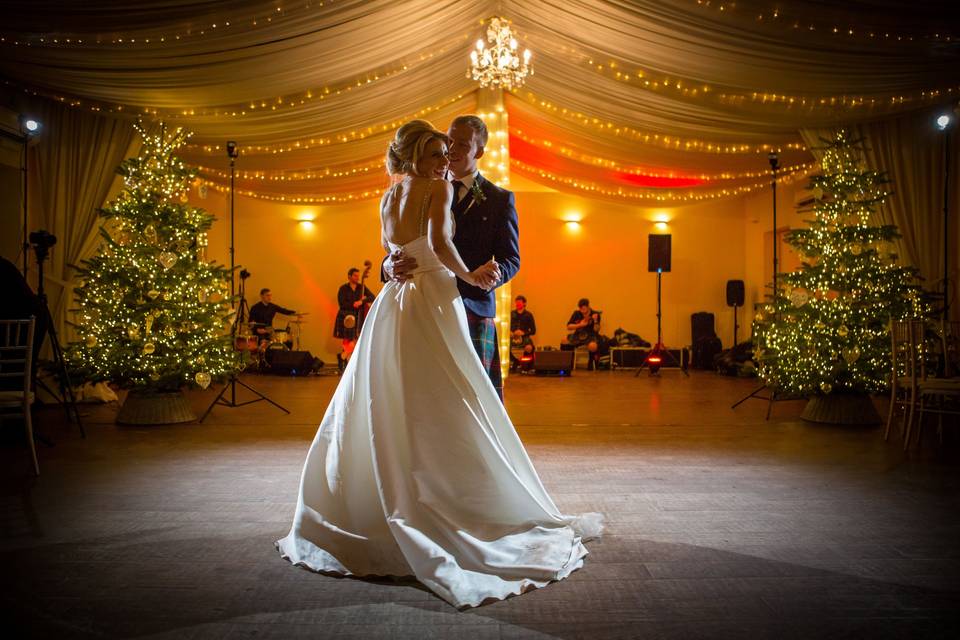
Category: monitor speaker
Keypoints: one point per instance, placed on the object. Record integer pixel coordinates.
(735, 293)
(658, 252)
(290, 363)
(547, 362)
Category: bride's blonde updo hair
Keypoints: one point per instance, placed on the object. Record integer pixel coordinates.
(408, 144)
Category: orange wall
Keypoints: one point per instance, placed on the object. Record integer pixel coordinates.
(605, 259)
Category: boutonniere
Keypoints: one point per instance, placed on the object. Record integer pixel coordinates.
(476, 195)
(477, 192)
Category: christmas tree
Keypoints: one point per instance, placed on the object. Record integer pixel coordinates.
(153, 314)
(828, 328)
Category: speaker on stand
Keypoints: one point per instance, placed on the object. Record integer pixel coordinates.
(658, 261)
(735, 298)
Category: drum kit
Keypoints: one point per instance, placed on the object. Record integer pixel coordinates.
(260, 345)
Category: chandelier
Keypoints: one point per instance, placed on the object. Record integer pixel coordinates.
(499, 65)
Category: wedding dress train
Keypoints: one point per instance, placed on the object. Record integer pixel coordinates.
(416, 468)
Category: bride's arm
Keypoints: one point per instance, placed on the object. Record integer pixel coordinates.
(441, 232)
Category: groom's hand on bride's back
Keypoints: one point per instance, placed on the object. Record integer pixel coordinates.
(399, 267)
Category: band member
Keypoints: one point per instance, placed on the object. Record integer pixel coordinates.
(353, 303)
(584, 324)
(261, 317)
(522, 329)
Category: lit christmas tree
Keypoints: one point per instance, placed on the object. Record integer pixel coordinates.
(153, 314)
(828, 329)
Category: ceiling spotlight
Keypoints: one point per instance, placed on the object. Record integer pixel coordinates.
(943, 122)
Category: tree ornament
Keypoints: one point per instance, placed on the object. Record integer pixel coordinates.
(202, 295)
(149, 347)
(799, 297)
(167, 295)
(851, 354)
(843, 331)
(202, 191)
(152, 294)
(150, 234)
(203, 379)
(167, 259)
(826, 387)
(133, 331)
(856, 249)
(91, 341)
(818, 193)
(154, 376)
(148, 323)
(170, 332)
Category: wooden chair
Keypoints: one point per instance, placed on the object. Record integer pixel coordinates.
(16, 363)
(905, 339)
(941, 396)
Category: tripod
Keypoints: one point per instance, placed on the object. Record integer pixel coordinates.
(240, 316)
(773, 395)
(655, 359)
(41, 245)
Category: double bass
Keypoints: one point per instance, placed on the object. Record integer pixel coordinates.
(351, 320)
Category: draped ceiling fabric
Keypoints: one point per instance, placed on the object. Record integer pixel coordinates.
(649, 101)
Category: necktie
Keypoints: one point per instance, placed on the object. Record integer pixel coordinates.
(457, 185)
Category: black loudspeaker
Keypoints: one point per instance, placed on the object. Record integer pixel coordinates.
(735, 293)
(553, 362)
(658, 252)
(290, 363)
(701, 326)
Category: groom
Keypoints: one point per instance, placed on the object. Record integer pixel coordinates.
(486, 221)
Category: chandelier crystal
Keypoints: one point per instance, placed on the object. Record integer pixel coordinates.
(499, 65)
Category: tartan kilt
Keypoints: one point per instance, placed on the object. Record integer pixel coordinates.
(483, 333)
(342, 332)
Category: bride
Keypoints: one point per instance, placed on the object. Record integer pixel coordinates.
(416, 468)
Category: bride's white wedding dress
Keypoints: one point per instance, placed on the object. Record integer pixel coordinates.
(416, 468)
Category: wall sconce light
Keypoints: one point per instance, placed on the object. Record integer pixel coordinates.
(306, 220)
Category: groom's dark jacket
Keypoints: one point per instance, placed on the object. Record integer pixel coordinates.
(486, 229)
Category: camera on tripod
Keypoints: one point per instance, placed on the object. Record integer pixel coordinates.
(42, 240)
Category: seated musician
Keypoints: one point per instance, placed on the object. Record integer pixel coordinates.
(522, 329)
(584, 324)
(354, 298)
(261, 317)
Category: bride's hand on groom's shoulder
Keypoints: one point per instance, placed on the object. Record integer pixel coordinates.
(399, 267)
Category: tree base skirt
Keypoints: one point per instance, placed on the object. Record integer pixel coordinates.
(152, 407)
(841, 409)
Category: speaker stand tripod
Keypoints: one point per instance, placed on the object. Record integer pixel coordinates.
(659, 351)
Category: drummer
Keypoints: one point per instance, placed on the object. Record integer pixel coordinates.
(261, 316)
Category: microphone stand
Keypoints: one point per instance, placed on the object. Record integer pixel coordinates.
(239, 317)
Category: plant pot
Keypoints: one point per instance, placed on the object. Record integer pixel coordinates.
(841, 408)
(144, 406)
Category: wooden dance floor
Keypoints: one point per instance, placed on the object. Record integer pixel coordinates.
(720, 525)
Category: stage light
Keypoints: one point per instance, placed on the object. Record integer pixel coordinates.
(653, 362)
(943, 121)
(29, 126)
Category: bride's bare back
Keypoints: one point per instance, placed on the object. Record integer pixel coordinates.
(403, 210)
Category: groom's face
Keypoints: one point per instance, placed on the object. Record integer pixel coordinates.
(465, 150)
